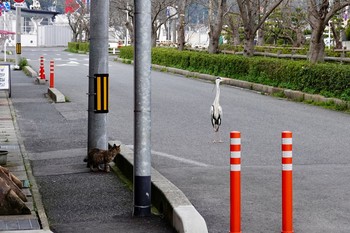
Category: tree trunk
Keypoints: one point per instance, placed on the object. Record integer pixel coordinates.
(300, 38)
(261, 40)
(154, 36)
(181, 28)
(216, 13)
(253, 19)
(213, 43)
(317, 46)
(181, 34)
(236, 38)
(338, 44)
(130, 28)
(249, 45)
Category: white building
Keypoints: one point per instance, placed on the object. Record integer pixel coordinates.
(37, 27)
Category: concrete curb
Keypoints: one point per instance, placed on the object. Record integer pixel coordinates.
(30, 71)
(166, 197)
(40, 81)
(56, 95)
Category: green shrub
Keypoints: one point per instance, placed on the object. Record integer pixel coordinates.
(330, 79)
(126, 52)
(73, 47)
(22, 63)
(84, 46)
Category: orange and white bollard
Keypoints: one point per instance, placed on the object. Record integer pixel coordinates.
(235, 182)
(42, 68)
(287, 182)
(52, 74)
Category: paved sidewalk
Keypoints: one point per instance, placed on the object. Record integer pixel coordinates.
(15, 163)
(49, 141)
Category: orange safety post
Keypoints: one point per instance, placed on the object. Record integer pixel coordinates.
(42, 68)
(287, 182)
(235, 182)
(52, 74)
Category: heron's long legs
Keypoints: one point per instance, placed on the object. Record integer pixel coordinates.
(217, 137)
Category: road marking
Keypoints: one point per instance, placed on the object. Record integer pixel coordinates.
(71, 63)
(173, 157)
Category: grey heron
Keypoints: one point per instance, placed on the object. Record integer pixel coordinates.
(216, 110)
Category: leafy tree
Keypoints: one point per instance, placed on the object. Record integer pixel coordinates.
(79, 23)
(159, 15)
(288, 23)
(233, 22)
(319, 14)
(347, 31)
(254, 13)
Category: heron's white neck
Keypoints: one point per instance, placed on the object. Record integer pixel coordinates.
(217, 96)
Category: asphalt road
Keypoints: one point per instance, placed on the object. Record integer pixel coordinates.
(183, 150)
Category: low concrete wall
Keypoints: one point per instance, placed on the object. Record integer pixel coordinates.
(29, 70)
(56, 95)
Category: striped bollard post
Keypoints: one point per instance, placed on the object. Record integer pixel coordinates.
(52, 74)
(235, 182)
(42, 68)
(287, 182)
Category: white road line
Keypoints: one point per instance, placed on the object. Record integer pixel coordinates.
(173, 157)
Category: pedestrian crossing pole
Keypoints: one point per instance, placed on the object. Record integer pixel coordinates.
(98, 75)
(142, 108)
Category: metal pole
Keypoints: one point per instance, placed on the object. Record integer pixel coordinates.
(18, 35)
(142, 107)
(127, 20)
(98, 64)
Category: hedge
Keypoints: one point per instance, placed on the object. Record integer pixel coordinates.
(78, 46)
(328, 79)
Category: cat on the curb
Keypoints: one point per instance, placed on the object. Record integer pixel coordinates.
(96, 157)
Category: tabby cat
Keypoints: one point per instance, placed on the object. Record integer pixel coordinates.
(97, 157)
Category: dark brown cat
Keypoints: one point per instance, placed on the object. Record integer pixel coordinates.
(97, 157)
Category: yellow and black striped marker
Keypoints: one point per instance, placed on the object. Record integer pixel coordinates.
(101, 93)
(18, 48)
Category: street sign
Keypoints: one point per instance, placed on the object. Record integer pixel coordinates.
(7, 6)
(16, 4)
(5, 78)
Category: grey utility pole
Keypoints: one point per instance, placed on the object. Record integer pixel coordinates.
(98, 69)
(142, 108)
(18, 36)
